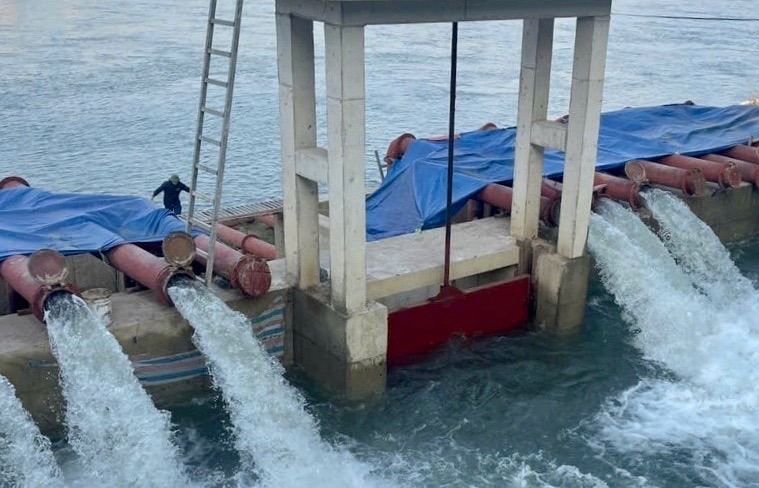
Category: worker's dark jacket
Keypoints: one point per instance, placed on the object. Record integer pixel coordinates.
(171, 194)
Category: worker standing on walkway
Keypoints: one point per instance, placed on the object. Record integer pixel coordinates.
(171, 189)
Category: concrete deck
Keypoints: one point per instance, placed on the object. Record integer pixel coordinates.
(412, 261)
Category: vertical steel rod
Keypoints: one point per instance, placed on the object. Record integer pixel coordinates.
(451, 135)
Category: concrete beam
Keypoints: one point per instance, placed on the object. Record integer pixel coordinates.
(374, 12)
(412, 261)
(582, 133)
(312, 164)
(346, 114)
(297, 106)
(549, 134)
(534, 82)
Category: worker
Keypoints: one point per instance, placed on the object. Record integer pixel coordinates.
(171, 190)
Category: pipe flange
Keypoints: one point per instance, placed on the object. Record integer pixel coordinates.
(251, 275)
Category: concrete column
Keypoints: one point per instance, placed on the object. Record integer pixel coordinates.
(582, 133)
(534, 81)
(347, 165)
(297, 106)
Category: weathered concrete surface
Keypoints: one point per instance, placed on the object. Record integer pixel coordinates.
(143, 327)
(561, 286)
(413, 261)
(344, 353)
(733, 213)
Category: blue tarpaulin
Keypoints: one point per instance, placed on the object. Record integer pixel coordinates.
(413, 196)
(72, 223)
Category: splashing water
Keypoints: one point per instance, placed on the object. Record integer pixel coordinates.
(697, 249)
(278, 440)
(709, 412)
(119, 436)
(25, 456)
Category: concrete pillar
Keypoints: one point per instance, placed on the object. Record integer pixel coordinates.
(347, 165)
(582, 133)
(534, 81)
(297, 105)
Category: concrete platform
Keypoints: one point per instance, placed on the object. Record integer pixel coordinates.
(412, 261)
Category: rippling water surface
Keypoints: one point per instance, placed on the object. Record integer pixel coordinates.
(102, 97)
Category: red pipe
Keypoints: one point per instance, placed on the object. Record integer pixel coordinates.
(11, 182)
(501, 196)
(690, 181)
(267, 219)
(749, 172)
(145, 268)
(746, 153)
(247, 242)
(15, 270)
(619, 188)
(726, 175)
(247, 273)
(551, 189)
(397, 148)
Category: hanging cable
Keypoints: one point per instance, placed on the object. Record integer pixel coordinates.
(451, 135)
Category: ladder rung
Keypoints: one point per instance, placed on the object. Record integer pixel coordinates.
(210, 141)
(213, 111)
(219, 52)
(213, 81)
(201, 253)
(228, 23)
(207, 169)
(202, 196)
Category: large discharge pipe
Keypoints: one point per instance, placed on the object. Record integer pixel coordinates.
(619, 188)
(37, 278)
(690, 181)
(726, 175)
(746, 153)
(10, 182)
(247, 242)
(749, 171)
(151, 271)
(501, 196)
(247, 273)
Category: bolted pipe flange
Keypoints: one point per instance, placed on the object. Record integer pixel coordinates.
(48, 267)
(179, 249)
(251, 275)
(164, 279)
(10, 182)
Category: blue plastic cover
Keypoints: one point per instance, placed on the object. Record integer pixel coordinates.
(413, 196)
(72, 223)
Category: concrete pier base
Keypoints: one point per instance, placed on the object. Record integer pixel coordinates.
(342, 352)
(560, 285)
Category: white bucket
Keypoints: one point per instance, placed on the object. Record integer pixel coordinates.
(99, 301)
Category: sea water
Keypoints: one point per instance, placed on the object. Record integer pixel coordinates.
(102, 98)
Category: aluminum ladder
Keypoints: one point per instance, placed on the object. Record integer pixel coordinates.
(202, 140)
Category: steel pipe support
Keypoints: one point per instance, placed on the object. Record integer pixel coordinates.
(619, 188)
(25, 275)
(247, 273)
(690, 181)
(726, 175)
(247, 242)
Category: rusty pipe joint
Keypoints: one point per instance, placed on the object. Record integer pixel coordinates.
(11, 182)
(151, 271)
(37, 278)
(247, 273)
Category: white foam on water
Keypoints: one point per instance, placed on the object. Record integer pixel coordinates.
(697, 249)
(119, 436)
(26, 459)
(710, 411)
(277, 439)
